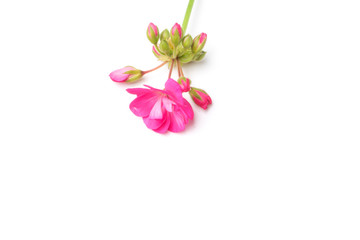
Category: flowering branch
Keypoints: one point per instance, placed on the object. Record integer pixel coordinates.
(167, 110)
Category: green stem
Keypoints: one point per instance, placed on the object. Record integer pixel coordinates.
(187, 16)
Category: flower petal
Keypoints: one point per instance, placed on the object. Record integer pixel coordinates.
(143, 105)
(177, 121)
(186, 107)
(165, 126)
(156, 111)
(168, 104)
(154, 123)
(138, 91)
(173, 89)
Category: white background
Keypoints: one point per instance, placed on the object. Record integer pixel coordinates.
(275, 157)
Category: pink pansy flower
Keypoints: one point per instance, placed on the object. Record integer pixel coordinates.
(162, 110)
(119, 74)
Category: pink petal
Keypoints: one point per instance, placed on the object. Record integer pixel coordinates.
(156, 112)
(177, 122)
(143, 105)
(174, 90)
(165, 126)
(186, 107)
(138, 91)
(168, 104)
(154, 123)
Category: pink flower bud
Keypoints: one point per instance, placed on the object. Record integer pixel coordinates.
(199, 42)
(200, 97)
(152, 33)
(184, 84)
(126, 74)
(177, 28)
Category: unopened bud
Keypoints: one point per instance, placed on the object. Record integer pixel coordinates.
(176, 34)
(199, 42)
(184, 84)
(126, 74)
(164, 47)
(152, 33)
(200, 97)
(187, 41)
(165, 35)
(199, 56)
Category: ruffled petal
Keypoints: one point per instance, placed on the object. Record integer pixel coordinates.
(186, 107)
(168, 104)
(143, 105)
(173, 89)
(156, 111)
(165, 126)
(154, 123)
(138, 91)
(177, 121)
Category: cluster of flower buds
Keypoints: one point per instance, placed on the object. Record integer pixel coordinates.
(171, 45)
(175, 49)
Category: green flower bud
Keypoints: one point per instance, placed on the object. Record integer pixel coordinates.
(187, 57)
(199, 42)
(152, 33)
(165, 35)
(164, 47)
(199, 56)
(187, 41)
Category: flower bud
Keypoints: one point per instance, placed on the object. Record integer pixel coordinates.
(186, 57)
(199, 56)
(184, 84)
(200, 97)
(152, 33)
(126, 74)
(187, 41)
(165, 35)
(176, 34)
(164, 47)
(199, 42)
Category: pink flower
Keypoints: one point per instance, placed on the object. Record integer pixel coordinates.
(162, 110)
(177, 28)
(200, 97)
(122, 75)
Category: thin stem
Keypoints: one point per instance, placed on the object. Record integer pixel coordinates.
(187, 16)
(181, 74)
(178, 67)
(171, 68)
(145, 72)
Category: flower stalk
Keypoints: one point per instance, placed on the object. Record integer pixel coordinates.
(187, 16)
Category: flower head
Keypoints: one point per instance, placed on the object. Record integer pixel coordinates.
(162, 110)
(200, 97)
